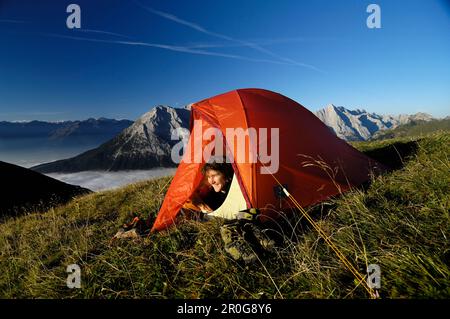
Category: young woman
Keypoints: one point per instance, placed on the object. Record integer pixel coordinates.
(212, 193)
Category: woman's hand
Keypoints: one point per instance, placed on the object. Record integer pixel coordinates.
(204, 207)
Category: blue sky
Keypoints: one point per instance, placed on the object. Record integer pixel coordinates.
(129, 55)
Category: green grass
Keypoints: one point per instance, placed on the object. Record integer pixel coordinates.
(401, 222)
(414, 128)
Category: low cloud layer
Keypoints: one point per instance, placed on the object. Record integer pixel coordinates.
(100, 180)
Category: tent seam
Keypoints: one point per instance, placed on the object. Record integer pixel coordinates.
(253, 166)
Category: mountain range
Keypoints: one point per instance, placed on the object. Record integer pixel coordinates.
(147, 142)
(63, 130)
(30, 143)
(360, 125)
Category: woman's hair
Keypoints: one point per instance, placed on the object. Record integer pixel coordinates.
(225, 168)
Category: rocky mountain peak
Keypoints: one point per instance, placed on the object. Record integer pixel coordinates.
(145, 144)
(354, 125)
(160, 121)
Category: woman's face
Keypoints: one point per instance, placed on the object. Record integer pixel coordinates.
(216, 179)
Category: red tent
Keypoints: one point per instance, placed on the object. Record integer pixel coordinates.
(306, 145)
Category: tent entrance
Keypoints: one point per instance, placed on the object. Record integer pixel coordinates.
(233, 203)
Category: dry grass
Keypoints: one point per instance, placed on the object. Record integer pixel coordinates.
(401, 222)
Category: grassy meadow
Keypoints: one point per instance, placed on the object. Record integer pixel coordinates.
(400, 222)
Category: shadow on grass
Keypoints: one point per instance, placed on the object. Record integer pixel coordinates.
(394, 156)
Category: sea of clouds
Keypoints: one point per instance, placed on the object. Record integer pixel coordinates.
(102, 180)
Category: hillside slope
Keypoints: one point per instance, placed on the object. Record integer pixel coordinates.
(414, 128)
(401, 222)
(23, 189)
